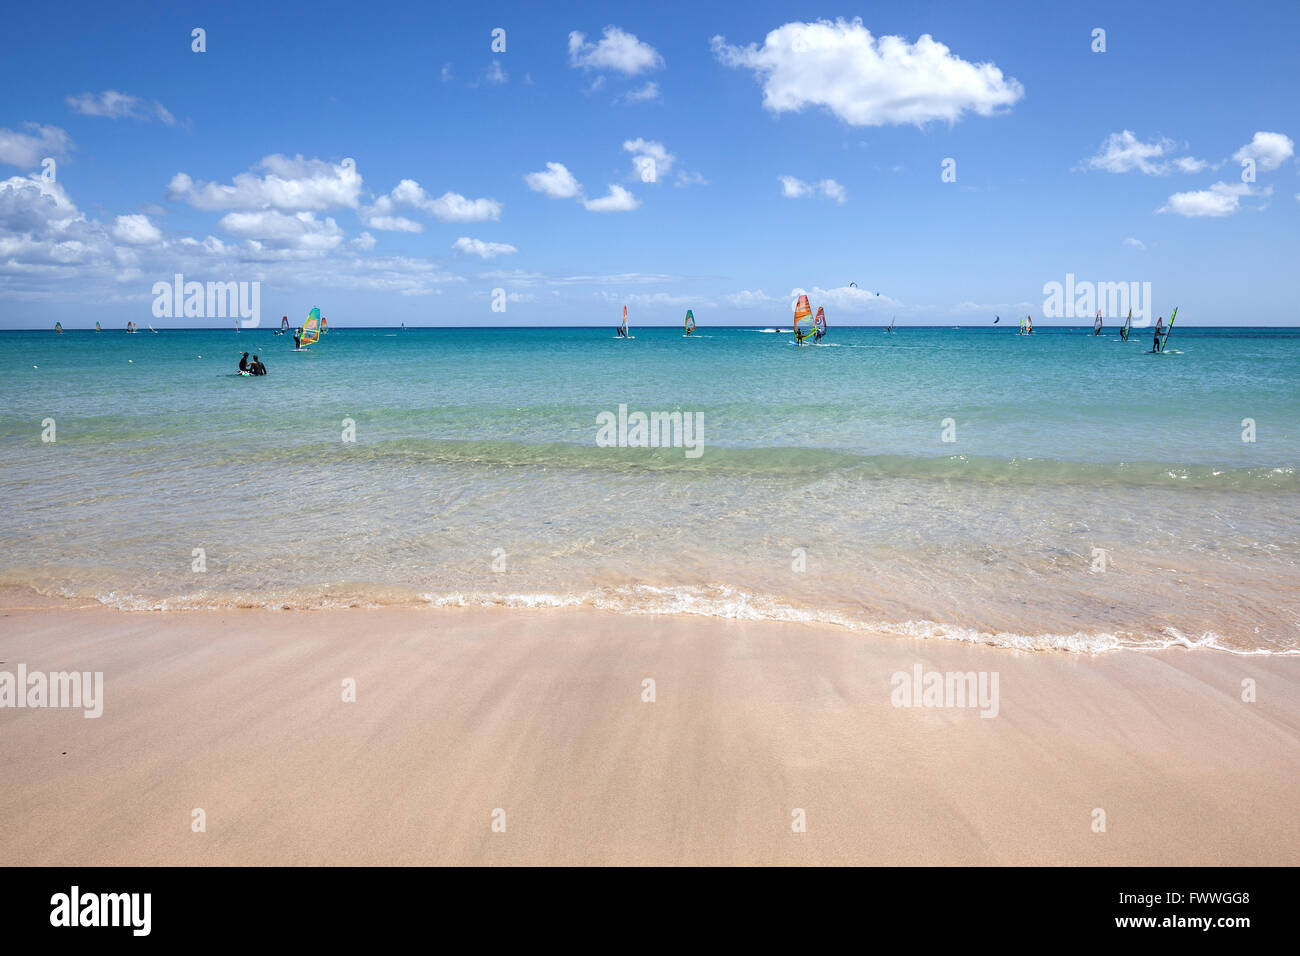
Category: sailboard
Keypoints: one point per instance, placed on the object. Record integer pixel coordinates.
(1097, 324)
(130, 326)
(97, 328)
(690, 321)
(622, 329)
(819, 324)
(58, 327)
(1127, 328)
(803, 320)
(890, 328)
(1164, 340)
(310, 329)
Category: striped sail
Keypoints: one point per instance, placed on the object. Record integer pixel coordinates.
(310, 329)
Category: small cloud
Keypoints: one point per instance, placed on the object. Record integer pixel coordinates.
(555, 181)
(650, 159)
(484, 250)
(26, 150)
(446, 73)
(618, 200)
(643, 95)
(365, 242)
(792, 188)
(136, 230)
(690, 179)
(495, 75)
(617, 50)
(1218, 201)
(1135, 243)
(114, 105)
(1268, 150)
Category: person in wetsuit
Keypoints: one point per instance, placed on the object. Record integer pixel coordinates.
(243, 363)
(257, 368)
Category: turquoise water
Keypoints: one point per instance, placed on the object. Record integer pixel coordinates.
(825, 489)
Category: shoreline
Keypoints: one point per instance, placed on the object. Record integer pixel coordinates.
(540, 714)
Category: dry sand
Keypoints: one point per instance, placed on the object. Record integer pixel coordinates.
(540, 714)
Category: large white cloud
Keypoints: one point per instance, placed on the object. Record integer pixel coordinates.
(616, 50)
(867, 81)
(26, 150)
(555, 181)
(289, 184)
(115, 105)
(1268, 150)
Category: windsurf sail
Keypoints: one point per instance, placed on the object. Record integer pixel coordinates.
(1127, 327)
(1168, 329)
(324, 326)
(1029, 324)
(130, 326)
(284, 323)
(1097, 324)
(803, 320)
(310, 329)
(58, 327)
(97, 328)
(690, 321)
(622, 329)
(891, 323)
(153, 330)
(819, 324)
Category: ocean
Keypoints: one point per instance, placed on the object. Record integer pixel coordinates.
(1054, 491)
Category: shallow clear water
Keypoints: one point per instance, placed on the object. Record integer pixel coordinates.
(825, 489)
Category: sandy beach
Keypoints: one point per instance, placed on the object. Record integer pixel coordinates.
(540, 714)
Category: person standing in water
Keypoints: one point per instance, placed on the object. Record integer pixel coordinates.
(1157, 345)
(243, 363)
(257, 368)
(297, 339)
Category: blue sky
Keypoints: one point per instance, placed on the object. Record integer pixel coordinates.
(799, 151)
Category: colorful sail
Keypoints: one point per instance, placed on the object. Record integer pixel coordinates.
(1169, 328)
(1127, 327)
(622, 329)
(284, 323)
(819, 324)
(97, 328)
(310, 329)
(324, 326)
(58, 327)
(803, 320)
(690, 321)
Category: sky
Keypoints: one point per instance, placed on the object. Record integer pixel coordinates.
(546, 164)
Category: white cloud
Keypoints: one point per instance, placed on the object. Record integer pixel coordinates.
(485, 250)
(26, 150)
(792, 188)
(642, 94)
(289, 184)
(650, 160)
(1218, 201)
(1123, 152)
(449, 207)
(1268, 150)
(618, 200)
(115, 105)
(365, 241)
(446, 73)
(617, 50)
(865, 81)
(495, 75)
(268, 227)
(136, 230)
(848, 299)
(1135, 243)
(690, 179)
(555, 181)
